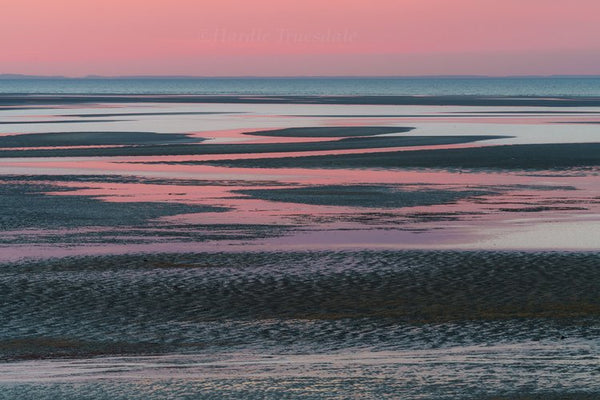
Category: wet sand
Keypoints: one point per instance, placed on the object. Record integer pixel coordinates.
(257, 325)
(533, 156)
(60, 121)
(435, 374)
(25, 205)
(388, 196)
(92, 139)
(257, 148)
(317, 301)
(341, 131)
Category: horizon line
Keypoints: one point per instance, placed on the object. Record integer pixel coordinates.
(449, 76)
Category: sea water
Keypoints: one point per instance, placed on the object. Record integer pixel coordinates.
(311, 86)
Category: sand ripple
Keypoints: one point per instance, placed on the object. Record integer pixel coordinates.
(295, 301)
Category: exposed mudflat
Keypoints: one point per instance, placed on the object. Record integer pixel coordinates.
(152, 149)
(340, 131)
(309, 301)
(384, 196)
(92, 138)
(187, 323)
(531, 156)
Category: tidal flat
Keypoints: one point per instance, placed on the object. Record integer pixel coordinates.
(436, 247)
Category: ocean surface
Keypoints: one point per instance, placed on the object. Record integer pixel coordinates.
(453, 86)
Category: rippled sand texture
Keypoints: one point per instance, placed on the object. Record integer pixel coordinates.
(385, 320)
(299, 247)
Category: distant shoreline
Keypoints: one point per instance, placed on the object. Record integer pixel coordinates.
(407, 77)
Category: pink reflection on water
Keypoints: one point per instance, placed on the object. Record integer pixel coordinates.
(504, 201)
(462, 224)
(468, 223)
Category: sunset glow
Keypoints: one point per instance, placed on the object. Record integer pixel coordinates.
(310, 37)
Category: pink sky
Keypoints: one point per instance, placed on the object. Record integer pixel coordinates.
(299, 37)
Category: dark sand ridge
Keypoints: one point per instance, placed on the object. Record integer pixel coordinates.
(368, 115)
(148, 233)
(57, 121)
(454, 114)
(578, 122)
(141, 114)
(88, 179)
(24, 205)
(527, 112)
(377, 200)
(80, 219)
(372, 196)
(94, 138)
(307, 300)
(241, 148)
(566, 101)
(10, 108)
(525, 156)
(331, 131)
